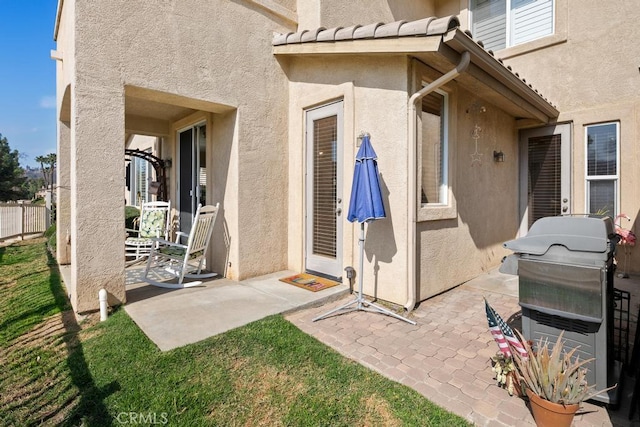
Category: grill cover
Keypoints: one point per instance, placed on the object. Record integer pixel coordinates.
(565, 239)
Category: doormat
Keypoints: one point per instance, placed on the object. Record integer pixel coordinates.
(309, 282)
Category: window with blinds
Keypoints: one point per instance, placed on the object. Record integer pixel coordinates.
(325, 134)
(142, 177)
(602, 168)
(434, 149)
(545, 173)
(504, 23)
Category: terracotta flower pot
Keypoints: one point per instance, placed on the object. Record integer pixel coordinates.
(550, 414)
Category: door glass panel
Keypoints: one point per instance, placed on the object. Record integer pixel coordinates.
(324, 186)
(545, 173)
(185, 176)
(202, 166)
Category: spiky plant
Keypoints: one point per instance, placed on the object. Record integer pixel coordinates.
(555, 375)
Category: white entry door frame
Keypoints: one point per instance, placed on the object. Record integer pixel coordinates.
(545, 173)
(323, 189)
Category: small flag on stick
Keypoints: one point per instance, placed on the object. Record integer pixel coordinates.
(503, 334)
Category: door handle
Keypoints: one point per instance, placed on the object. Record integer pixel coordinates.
(565, 208)
(338, 211)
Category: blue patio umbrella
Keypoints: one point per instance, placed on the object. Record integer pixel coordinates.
(366, 205)
(366, 197)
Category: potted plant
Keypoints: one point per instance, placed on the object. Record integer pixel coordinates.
(554, 380)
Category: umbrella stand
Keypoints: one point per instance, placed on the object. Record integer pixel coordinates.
(360, 304)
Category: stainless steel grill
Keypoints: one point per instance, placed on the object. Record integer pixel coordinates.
(565, 269)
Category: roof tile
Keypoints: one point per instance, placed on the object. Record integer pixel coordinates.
(311, 36)
(415, 28)
(346, 33)
(389, 30)
(328, 35)
(366, 31)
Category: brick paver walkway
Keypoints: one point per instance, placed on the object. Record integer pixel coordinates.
(445, 357)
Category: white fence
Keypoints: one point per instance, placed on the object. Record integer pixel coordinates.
(18, 220)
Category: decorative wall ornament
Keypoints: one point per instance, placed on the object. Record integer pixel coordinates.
(475, 134)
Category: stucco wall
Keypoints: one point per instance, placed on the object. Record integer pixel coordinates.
(593, 77)
(332, 13)
(189, 49)
(452, 251)
(374, 91)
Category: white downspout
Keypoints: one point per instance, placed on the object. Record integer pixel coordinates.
(412, 187)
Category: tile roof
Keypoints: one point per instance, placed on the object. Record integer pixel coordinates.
(431, 26)
(423, 27)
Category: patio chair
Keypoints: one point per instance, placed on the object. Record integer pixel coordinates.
(184, 260)
(154, 223)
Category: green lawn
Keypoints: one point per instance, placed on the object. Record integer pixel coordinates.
(57, 371)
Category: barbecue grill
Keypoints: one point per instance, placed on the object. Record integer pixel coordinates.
(565, 269)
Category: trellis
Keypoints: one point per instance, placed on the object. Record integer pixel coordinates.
(159, 166)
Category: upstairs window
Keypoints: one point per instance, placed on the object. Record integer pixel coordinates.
(602, 168)
(500, 24)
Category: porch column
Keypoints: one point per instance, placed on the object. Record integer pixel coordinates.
(63, 195)
(97, 202)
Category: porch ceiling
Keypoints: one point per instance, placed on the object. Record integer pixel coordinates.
(151, 112)
(438, 43)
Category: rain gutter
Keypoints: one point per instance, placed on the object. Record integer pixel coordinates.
(412, 187)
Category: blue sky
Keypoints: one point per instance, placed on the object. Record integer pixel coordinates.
(28, 77)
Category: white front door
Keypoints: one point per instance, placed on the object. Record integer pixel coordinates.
(545, 179)
(323, 211)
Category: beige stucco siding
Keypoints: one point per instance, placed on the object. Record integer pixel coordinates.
(207, 53)
(331, 13)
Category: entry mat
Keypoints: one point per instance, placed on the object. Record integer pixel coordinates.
(309, 282)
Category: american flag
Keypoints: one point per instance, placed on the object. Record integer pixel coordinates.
(503, 334)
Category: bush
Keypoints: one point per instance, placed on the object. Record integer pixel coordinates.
(50, 234)
(130, 214)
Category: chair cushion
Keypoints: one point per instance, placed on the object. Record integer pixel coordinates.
(138, 241)
(172, 251)
(152, 223)
(178, 252)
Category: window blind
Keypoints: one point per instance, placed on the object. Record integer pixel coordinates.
(544, 177)
(325, 134)
(530, 20)
(601, 150)
(490, 23)
(525, 21)
(432, 148)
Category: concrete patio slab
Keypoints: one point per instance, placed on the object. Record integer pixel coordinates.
(173, 318)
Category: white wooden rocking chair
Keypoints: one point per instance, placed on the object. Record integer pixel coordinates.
(154, 223)
(185, 261)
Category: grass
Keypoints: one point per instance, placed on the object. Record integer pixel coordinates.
(61, 372)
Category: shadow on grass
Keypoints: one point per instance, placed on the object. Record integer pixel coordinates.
(90, 409)
(45, 378)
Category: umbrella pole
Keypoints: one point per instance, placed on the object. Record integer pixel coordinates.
(361, 266)
(361, 303)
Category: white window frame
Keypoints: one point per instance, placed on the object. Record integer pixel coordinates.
(592, 178)
(509, 24)
(444, 141)
(136, 164)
